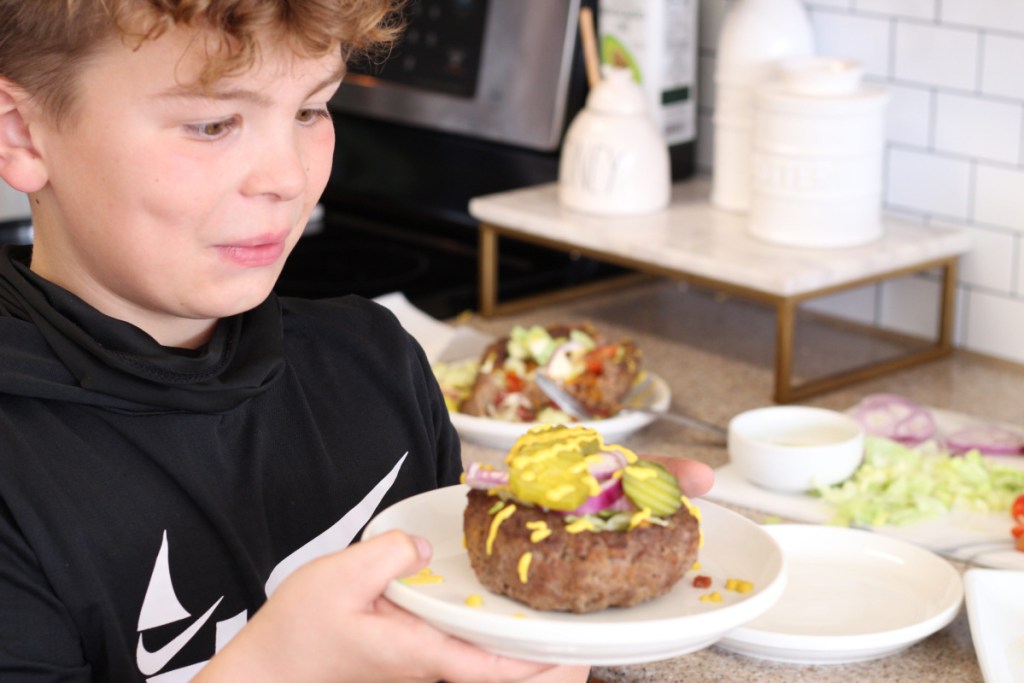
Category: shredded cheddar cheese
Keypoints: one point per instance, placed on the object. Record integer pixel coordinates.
(580, 525)
(492, 533)
(423, 576)
(524, 566)
(539, 530)
(739, 585)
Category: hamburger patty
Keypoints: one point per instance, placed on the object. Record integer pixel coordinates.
(581, 572)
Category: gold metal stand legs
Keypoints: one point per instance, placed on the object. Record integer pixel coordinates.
(785, 311)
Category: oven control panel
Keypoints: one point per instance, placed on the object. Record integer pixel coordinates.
(499, 70)
(441, 48)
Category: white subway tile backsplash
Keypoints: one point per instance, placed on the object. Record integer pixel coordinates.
(999, 197)
(994, 325)
(957, 127)
(863, 38)
(921, 9)
(1001, 15)
(989, 264)
(928, 183)
(1002, 59)
(908, 116)
(933, 55)
(955, 150)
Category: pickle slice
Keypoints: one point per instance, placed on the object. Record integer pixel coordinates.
(649, 485)
(547, 466)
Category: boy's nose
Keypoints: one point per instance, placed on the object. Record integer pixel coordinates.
(279, 170)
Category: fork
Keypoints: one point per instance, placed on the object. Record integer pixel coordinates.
(575, 407)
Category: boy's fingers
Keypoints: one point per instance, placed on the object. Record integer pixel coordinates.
(392, 555)
(695, 478)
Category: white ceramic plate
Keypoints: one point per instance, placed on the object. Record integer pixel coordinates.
(995, 610)
(501, 434)
(852, 595)
(674, 624)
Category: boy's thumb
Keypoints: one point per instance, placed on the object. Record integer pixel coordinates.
(392, 555)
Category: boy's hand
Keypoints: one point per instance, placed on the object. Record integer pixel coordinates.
(330, 622)
(695, 478)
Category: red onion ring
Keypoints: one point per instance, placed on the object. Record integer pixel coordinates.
(986, 438)
(480, 476)
(895, 417)
(611, 462)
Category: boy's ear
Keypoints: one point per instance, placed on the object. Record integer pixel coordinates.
(20, 163)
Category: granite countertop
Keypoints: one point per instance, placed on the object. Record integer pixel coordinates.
(716, 354)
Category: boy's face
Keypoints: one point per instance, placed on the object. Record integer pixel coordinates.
(169, 208)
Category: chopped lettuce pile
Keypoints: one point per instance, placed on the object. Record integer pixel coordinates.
(898, 485)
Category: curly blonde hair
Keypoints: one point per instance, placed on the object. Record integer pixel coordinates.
(45, 43)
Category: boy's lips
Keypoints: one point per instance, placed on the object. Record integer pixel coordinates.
(256, 251)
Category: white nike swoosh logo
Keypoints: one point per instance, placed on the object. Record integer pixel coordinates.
(151, 662)
(340, 535)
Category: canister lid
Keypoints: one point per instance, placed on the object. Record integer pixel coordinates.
(864, 100)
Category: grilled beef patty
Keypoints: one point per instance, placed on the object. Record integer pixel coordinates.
(581, 572)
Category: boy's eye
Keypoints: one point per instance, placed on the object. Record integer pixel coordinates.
(212, 130)
(310, 116)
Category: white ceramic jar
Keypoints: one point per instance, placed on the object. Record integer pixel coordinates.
(819, 138)
(614, 159)
(755, 36)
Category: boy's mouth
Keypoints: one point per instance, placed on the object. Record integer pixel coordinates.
(263, 250)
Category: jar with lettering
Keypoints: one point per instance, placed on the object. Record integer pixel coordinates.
(615, 160)
(819, 140)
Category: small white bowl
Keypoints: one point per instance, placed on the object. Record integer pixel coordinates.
(795, 448)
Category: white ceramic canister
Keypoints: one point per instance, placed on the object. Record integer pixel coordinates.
(755, 36)
(614, 159)
(817, 164)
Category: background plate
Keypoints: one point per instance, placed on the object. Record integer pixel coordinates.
(501, 435)
(852, 595)
(674, 624)
(995, 610)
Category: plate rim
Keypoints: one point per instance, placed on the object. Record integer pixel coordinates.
(876, 644)
(626, 422)
(674, 635)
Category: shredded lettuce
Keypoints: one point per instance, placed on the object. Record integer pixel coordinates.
(897, 485)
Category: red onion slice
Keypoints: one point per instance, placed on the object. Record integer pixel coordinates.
(895, 417)
(611, 491)
(987, 438)
(480, 476)
(610, 463)
(560, 365)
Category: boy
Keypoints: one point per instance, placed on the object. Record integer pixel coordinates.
(177, 445)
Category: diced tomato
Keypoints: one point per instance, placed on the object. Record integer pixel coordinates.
(701, 581)
(1017, 510)
(513, 382)
(595, 358)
